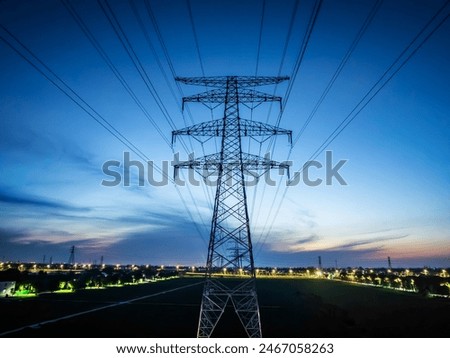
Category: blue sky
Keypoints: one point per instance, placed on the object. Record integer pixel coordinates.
(396, 201)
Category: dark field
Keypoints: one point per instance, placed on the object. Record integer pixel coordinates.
(289, 308)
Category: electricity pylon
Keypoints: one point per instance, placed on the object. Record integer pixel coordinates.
(72, 256)
(230, 245)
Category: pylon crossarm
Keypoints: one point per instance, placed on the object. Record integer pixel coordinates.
(205, 129)
(218, 96)
(248, 162)
(247, 128)
(221, 81)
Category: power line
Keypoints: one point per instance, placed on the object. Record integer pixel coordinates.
(285, 48)
(197, 47)
(111, 65)
(191, 18)
(52, 77)
(166, 54)
(173, 72)
(24, 52)
(153, 50)
(108, 61)
(373, 91)
(123, 38)
(300, 56)
(298, 62)
(139, 67)
(340, 67)
(343, 62)
(263, 11)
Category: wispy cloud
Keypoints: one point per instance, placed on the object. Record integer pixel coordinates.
(37, 202)
(376, 240)
(8, 235)
(290, 241)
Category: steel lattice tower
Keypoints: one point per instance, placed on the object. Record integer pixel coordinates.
(72, 256)
(230, 245)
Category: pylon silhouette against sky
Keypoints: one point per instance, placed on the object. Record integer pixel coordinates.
(230, 245)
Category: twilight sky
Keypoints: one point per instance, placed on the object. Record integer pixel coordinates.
(69, 80)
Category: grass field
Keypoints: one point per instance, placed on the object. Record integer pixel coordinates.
(289, 308)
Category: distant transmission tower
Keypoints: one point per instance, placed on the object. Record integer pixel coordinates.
(230, 245)
(72, 256)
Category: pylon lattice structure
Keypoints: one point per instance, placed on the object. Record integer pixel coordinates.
(72, 256)
(230, 244)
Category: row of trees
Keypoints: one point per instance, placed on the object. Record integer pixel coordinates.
(422, 283)
(95, 278)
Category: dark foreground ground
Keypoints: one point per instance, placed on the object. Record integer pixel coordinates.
(289, 308)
